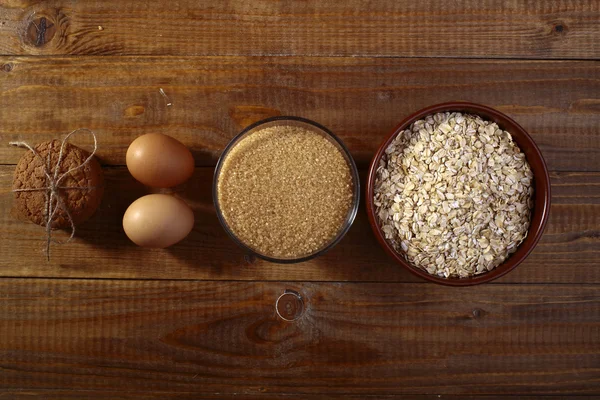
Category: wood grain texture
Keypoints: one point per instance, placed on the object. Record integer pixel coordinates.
(219, 337)
(108, 320)
(569, 250)
(362, 100)
(53, 394)
(516, 28)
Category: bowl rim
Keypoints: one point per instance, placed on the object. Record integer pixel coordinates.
(355, 192)
(541, 179)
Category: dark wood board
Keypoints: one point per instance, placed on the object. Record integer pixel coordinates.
(19, 394)
(360, 99)
(107, 320)
(225, 337)
(569, 250)
(474, 28)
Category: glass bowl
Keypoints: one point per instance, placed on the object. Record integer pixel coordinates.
(313, 127)
(541, 196)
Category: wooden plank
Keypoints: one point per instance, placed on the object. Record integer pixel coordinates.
(474, 28)
(219, 337)
(568, 253)
(359, 99)
(45, 394)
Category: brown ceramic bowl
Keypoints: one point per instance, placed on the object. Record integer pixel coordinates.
(541, 182)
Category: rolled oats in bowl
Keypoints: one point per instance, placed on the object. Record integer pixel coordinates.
(453, 194)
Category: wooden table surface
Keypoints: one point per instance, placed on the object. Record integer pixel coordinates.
(107, 320)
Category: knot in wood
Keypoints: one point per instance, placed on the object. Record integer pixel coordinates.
(559, 28)
(249, 258)
(40, 31)
(289, 306)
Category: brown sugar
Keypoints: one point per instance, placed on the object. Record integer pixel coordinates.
(285, 191)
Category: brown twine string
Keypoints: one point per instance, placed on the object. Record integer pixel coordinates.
(52, 194)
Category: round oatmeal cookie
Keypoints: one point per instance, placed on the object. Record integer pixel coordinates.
(81, 190)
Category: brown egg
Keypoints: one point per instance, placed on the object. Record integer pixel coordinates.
(158, 220)
(159, 160)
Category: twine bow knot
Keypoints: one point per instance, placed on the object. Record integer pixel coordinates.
(54, 200)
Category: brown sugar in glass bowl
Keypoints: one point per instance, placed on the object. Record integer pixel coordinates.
(286, 189)
(541, 195)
